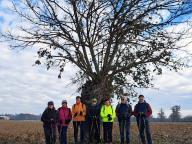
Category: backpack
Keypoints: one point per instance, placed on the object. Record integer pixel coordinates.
(82, 105)
(104, 109)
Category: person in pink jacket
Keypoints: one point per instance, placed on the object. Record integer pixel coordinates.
(64, 118)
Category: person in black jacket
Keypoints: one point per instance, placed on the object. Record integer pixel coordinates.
(49, 119)
(93, 119)
(124, 112)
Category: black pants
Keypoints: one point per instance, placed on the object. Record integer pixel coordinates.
(50, 134)
(107, 132)
(143, 126)
(94, 130)
(124, 126)
(77, 125)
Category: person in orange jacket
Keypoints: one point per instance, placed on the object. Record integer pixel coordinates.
(79, 114)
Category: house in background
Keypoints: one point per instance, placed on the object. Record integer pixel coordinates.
(4, 117)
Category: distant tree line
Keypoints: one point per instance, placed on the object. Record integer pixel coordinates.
(22, 116)
(175, 116)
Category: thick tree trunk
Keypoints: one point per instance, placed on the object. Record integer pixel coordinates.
(95, 89)
(100, 89)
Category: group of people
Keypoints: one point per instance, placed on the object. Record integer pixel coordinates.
(88, 119)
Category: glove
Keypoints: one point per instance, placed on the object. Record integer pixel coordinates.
(67, 121)
(81, 113)
(52, 121)
(108, 115)
(75, 114)
(109, 118)
(142, 114)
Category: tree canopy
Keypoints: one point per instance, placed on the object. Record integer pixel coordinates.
(175, 115)
(117, 45)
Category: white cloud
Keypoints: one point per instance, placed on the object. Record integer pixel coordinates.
(24, 86)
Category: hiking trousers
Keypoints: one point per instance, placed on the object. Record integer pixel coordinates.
(94, 129)
(107, 131)
(144, 127)
(63, 135)
(50, 134)
(77, 125)
(124, 127)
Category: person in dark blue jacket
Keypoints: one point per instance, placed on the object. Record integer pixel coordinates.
(142, 112)
(124, 112)
(93, 118)
(49, 119)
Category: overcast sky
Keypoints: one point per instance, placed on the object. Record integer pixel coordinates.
(25, 88)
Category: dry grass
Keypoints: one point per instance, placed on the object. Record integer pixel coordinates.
(29, 132)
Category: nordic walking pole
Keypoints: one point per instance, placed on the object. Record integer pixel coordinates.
(91, 130)
(60, 131)
(52, 142)
(139, 125)
(98, 130)
(145, 128)
(50, 138)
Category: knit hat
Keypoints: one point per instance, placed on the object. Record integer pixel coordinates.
(64, 101)
(50, 103)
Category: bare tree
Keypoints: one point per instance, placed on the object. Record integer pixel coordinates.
(117, 45)
(161, 115)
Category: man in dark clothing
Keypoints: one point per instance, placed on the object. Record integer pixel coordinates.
(142, 113)
(49, 119)
(124, 112)
(93, 119)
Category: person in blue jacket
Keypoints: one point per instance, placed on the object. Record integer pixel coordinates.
(124, 112)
